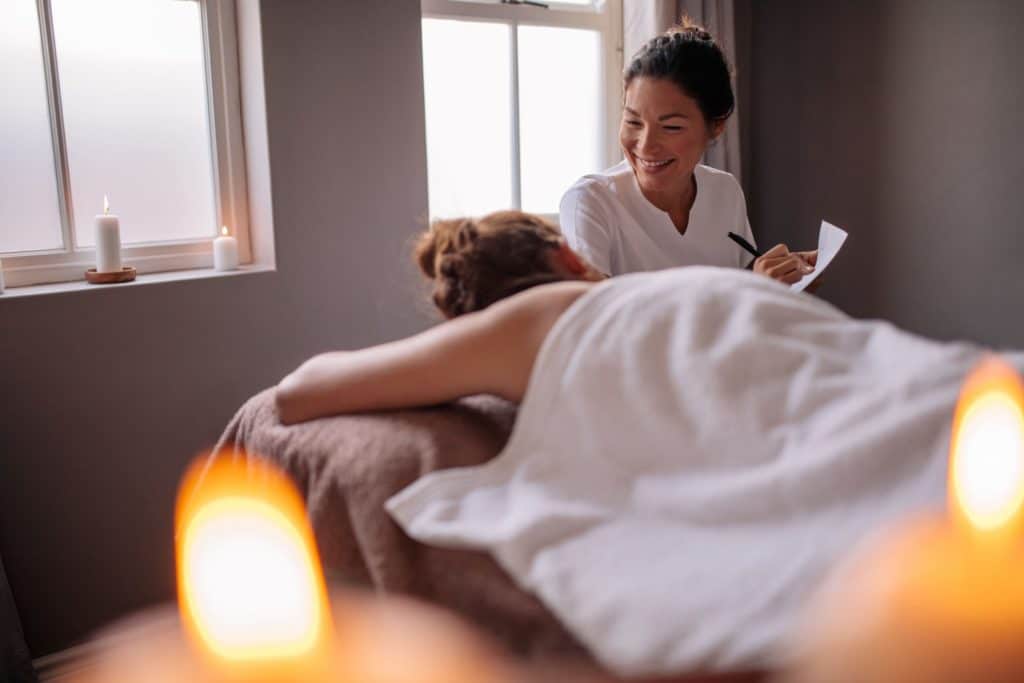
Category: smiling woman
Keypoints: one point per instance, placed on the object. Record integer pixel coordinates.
(660, 207)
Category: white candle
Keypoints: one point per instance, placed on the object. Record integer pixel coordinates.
(108, 241)
(225, 251)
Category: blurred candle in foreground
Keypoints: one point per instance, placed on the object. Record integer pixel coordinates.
(253, 608)
(939, 599)
(251, 592)
(108, 241)
(225, 251)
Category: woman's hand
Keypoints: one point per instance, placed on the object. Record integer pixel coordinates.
(779, 263)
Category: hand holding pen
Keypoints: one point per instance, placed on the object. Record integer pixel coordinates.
(779, 263)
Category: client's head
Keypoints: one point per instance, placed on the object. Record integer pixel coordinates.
(477, 261)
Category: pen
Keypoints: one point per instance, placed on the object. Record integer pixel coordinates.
(745, 244)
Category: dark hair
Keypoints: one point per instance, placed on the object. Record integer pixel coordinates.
(475, 262)
(688, 56)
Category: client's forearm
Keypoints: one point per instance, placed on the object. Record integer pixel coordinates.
(451, 360)
(325, 384)
(491, 351)
(350, 381)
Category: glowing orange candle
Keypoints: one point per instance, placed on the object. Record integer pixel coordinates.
(251, 593)
(940, 599)
(986, 469)
(253, 607)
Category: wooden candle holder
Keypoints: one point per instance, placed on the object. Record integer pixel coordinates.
(126, 274)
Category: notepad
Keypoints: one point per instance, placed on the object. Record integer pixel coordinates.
(830, 241)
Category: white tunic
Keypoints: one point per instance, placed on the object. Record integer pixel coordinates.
(607, 220)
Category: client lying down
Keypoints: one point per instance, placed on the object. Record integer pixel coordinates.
(695, 447)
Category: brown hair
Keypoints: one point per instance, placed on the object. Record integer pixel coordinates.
(475, 262)
(688, 56)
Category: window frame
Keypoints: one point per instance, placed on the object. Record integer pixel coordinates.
(607, 22)
(67, 263)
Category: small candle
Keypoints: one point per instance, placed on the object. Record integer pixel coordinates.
(108, 241)
(225, 251)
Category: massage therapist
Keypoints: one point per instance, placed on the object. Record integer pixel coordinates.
(659, 207)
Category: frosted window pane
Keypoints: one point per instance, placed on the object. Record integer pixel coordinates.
(467, 92)
(560, 111)
(133, 84)
(29, 208)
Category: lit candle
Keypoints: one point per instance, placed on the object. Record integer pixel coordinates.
(108, 241)
(245, 548)
(941, 598)
(225, 251)
(254, 609)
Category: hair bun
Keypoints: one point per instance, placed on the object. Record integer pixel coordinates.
(688, 56)
(452, 293)
(450, 265)
(443, 237)
(466, 234)
(473, 263)
(441, 255)
(690, 30)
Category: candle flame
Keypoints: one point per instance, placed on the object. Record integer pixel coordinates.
(987, 452)
(224, 230)
(106, 206)
(249, 580)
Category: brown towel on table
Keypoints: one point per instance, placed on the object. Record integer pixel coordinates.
(347, 466)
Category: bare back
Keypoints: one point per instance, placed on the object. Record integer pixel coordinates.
(528, 320)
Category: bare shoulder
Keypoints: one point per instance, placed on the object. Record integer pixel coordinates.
(538, 307)
(516, 328)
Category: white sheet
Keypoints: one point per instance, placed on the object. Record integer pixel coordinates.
(696, 448)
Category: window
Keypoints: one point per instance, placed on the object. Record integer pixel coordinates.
(135, 100)
(520, 101)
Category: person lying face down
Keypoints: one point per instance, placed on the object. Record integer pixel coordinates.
(501, 280)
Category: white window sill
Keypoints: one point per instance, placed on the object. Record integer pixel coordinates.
(140, 281)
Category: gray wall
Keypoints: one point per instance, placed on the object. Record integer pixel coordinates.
(900, 121)
(108, 394)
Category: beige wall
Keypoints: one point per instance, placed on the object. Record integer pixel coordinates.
(107, 394)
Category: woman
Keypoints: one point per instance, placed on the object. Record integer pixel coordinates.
(503, 281)
(482, 349)
(659, 207)
(697, 427)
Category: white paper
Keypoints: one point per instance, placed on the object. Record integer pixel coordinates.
(830, 240)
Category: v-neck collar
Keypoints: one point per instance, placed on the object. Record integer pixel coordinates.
(664, 222)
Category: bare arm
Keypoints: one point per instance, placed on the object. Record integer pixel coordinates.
(491, 351)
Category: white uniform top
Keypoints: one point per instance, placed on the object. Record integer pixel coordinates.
(607, 220)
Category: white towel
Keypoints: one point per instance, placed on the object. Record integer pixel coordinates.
(697, 447)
